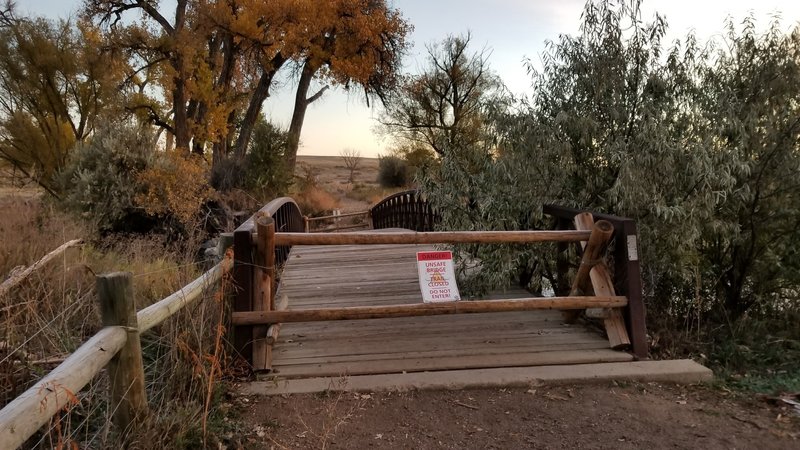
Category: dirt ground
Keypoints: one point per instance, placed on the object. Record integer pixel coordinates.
(602, 416)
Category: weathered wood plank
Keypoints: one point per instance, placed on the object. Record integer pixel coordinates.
(450, 363)
(424, 309)
(375, 350)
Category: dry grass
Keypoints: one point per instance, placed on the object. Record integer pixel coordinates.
(331, 175)
(315, 201)
(53, 312)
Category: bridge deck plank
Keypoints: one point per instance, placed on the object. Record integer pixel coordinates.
(329, 277)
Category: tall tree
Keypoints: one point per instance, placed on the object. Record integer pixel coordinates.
(447, 105)
(215, 61)
(751, 115)
(358, 42)
(184, 57)
(54, 87)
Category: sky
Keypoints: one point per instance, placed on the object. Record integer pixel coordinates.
(512, 30)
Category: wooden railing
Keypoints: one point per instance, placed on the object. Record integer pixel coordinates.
(625, 270)
(115, 347)
(257, 314)
(263, 321)
(288, 218)
(408, 209)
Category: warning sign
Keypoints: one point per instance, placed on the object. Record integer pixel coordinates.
(437, 279)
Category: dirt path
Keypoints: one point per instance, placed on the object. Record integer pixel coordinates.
(602, 416)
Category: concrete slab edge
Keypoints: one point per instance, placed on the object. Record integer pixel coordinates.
(682, 371)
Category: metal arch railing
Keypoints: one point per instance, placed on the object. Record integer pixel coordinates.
(407, 209)
(288, 219)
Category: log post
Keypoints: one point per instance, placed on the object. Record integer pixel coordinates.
(613, 321)
(269, 254)
(125, 370)
(263, 289)
(592, 254)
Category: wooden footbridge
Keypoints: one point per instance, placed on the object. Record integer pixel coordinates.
(318, 311)
(349, 304)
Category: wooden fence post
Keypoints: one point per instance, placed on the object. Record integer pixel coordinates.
(264, 289)
(628, 272)
(125, 370)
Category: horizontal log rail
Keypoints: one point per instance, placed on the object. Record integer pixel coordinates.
(34, 408)
(19, 277)
(21, 417)
(158, 312)
(432, 237)
(425, 309)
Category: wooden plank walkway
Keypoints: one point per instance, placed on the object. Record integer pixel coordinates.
(335, 276)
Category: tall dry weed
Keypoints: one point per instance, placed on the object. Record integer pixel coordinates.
(54, 311)
(315, 201)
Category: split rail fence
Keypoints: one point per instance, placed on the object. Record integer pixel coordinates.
(116, 347)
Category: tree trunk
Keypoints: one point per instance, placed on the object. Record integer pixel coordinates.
(254, 108)
(251, 116)
(223, 145)
(301, 102)
(180, 118)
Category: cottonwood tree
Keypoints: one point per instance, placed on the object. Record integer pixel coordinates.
(189, 67)
(54, 88)
(215, 61)
(358, 42)
(446, 107)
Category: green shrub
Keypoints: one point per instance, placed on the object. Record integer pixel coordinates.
(417, 157)
(393, 172)
(101, 180)
(265, 169)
